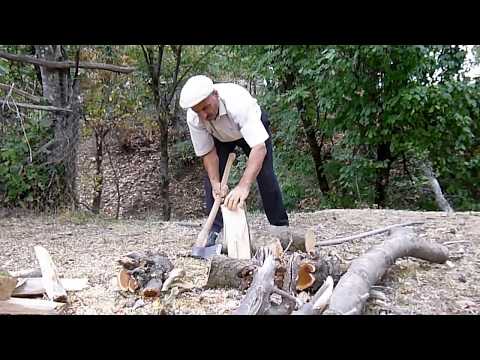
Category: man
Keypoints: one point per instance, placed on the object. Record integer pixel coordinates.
(221, 117)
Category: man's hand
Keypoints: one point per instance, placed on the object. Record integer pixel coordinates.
(236, 197)
(218, 191)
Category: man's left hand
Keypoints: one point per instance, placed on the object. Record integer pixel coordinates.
(236, 197)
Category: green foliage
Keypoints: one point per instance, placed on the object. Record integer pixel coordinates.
(23, 182)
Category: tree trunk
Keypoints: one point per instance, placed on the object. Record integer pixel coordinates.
(383, 174)
(98, 178)
(163, 166)
(315, 149)
(60, 92)
(353, 289)
(442, 203)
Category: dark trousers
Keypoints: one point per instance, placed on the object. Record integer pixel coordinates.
(267, 181)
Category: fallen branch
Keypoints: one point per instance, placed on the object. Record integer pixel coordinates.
(353, 289)
(366, 234)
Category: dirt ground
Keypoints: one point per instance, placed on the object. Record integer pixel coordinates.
(82, 246)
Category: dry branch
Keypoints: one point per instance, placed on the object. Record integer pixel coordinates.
(352, 291)
(65, 64)
(34, 107)
(366, 234)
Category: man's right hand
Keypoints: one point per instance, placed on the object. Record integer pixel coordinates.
(219, 191)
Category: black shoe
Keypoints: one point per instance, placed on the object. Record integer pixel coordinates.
(212, 238)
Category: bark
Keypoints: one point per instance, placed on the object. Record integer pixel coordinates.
(353, 289)
(226, 272)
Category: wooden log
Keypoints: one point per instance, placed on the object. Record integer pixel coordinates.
(142, 267)
(18, 306)
(319, 301)
(153, 288)
(236, 233)
(353, 289)
(28, 273)
(299, 240)
(51, 281)
(7, 285)
(225, 272)
(34, 286)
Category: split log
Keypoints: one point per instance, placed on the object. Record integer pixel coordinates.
(291, 240)
(226, 272)
(17, 306)
(51, 281)
(319, 301)
(353, 289)
(7, 285)
(28, 273)
(32, 287)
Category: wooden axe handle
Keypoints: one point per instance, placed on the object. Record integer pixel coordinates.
(203, 235)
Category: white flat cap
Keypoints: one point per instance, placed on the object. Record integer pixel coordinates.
(196, 89)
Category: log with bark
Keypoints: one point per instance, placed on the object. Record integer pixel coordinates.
(353, 289)
(353, 284)
(226, 272)
(290, 239)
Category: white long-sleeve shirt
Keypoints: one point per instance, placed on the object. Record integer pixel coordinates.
(238, 117)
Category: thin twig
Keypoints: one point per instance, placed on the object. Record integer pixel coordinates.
(366, 234)
(36, 107)
(456, 242)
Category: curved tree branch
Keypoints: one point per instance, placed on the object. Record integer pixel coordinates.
(66, 64)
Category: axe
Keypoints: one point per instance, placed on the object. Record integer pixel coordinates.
(200, 250)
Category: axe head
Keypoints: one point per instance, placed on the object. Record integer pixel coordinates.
(205, 252)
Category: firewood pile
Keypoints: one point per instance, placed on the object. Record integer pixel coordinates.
(38, 291)
(309, 281)
(150, 275)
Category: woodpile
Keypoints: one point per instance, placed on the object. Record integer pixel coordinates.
(279, 282)
(149, 274)
(38, 291)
